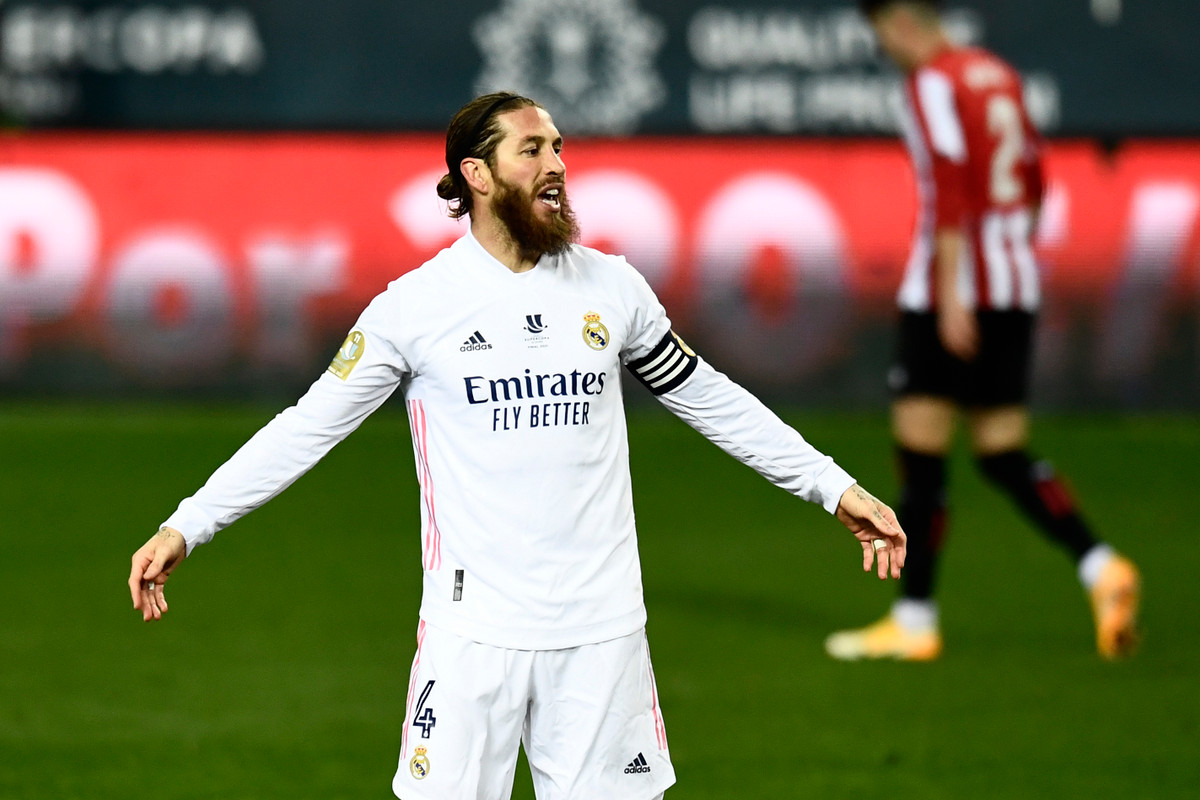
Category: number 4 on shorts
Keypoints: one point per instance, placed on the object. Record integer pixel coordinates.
(424, 718)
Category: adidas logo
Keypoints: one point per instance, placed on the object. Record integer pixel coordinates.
(638, 765)
(476, 342)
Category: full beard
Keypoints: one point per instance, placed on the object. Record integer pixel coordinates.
(533, 236)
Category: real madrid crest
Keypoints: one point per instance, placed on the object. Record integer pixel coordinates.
(594, 332)
(419, 766)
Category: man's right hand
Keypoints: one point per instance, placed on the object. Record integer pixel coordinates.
(152, 565)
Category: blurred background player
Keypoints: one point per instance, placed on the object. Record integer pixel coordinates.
(968, 302)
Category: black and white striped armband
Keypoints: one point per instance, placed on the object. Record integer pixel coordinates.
(667, 366)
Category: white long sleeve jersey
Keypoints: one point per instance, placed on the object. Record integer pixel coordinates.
(512, 382)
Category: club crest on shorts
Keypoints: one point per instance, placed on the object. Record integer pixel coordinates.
(594, 332)
(348, 355)
(419, 765)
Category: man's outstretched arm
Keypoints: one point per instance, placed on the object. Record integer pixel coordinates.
(276, 456)
(738, 422)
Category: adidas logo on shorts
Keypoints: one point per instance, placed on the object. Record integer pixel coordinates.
(638, 765)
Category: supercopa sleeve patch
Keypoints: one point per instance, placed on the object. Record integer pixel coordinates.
(348, 355)
(667, 366)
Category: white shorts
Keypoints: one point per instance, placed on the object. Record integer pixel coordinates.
(588, 717)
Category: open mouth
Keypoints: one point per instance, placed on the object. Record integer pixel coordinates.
(551, 198)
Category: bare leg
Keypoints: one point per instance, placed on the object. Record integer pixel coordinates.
(999, 437)
(923, 428)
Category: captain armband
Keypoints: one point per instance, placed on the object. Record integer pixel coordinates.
(667, 366)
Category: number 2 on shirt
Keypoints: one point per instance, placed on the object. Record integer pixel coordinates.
(1004, 122)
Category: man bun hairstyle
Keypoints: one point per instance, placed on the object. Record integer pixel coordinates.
(474, 132)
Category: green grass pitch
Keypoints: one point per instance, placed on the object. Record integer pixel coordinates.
(281, 668)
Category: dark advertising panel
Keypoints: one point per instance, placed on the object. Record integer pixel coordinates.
(1107, 68)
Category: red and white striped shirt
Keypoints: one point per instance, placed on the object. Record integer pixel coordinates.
(977, 159)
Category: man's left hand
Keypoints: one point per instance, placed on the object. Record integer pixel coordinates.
(872, 521)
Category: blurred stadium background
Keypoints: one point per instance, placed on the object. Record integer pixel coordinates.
(197, 198)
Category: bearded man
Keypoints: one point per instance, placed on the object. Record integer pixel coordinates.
(508, 348)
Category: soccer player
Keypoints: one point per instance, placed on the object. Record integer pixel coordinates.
(967, 302)
(508, 348)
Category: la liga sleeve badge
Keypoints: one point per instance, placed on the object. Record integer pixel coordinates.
(348, 354)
